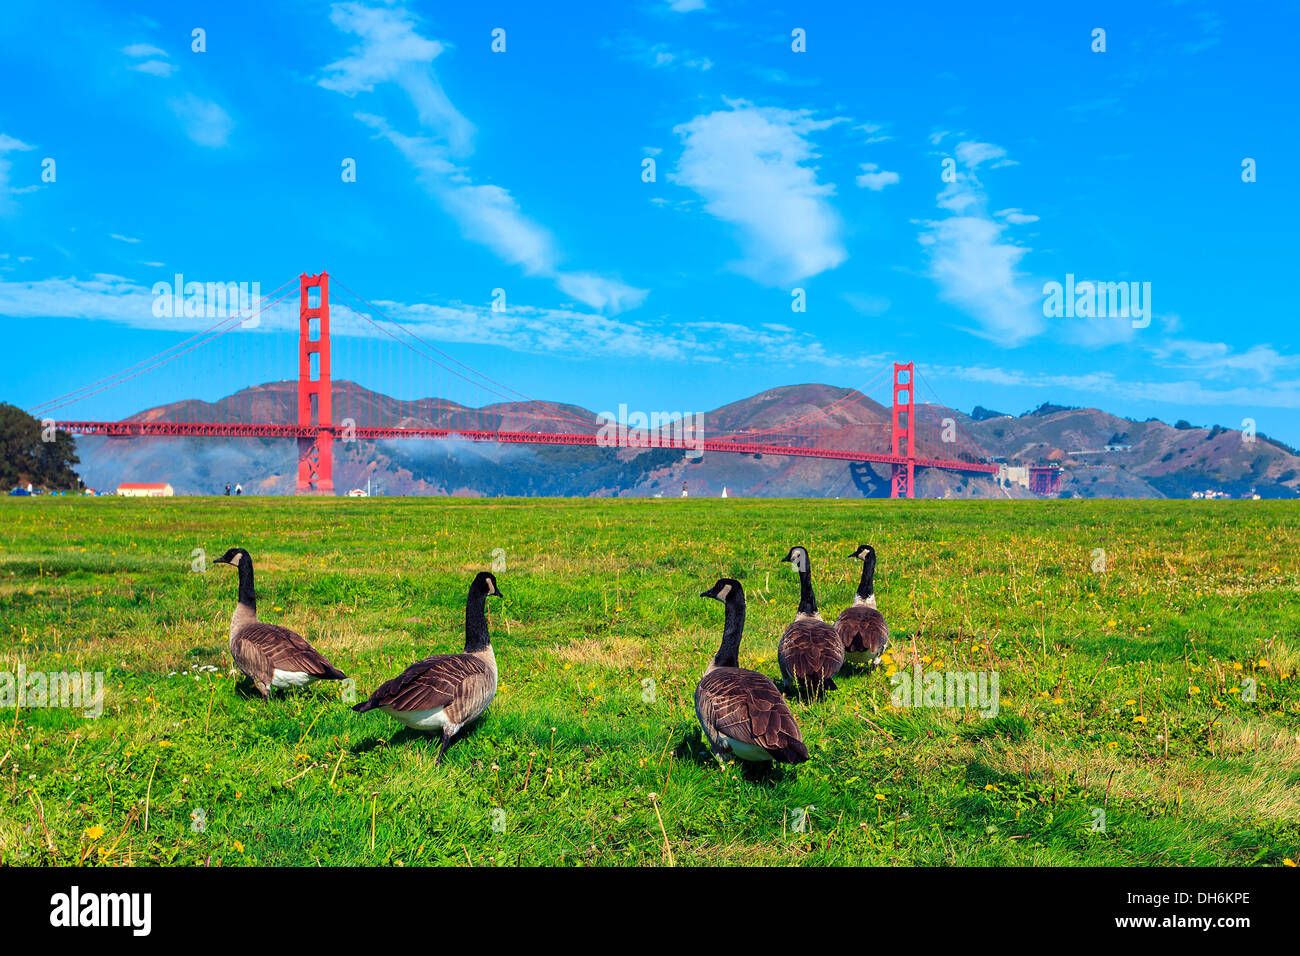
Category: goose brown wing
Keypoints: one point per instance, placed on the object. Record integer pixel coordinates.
(253, 661)
(811, 648)
(286, 650)
(862, 629)
(459, 682)
(746, 706)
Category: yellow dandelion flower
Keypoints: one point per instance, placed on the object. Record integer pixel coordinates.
(95, 832)
(239, 846)
(1139, 719)
(1288, 862)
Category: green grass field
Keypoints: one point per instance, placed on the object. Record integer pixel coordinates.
(1125, 691)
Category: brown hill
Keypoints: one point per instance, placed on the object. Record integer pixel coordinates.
(1160, 460)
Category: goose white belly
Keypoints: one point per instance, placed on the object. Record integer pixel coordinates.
(432, 718)
(283, 679)
(750, 752)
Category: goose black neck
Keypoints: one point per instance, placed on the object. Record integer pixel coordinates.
(807, 599)
(246, 593)
(867, 586)
(476, 625)
(733, 626)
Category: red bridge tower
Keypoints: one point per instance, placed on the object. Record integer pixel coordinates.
(902, 485)
(316, 452)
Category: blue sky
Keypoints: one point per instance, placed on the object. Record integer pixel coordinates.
(775, 170)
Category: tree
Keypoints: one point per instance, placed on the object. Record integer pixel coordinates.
(25, 457)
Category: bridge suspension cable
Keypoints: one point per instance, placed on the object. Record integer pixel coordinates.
(45, 408)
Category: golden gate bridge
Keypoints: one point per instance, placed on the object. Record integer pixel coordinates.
(321, 409)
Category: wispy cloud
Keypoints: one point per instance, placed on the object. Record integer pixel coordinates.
(658, 55)
(972, 260)
(204, 121)
(521, 328)
(391, 51)
(875, 178)
(9, 145)
(1111, 386)
(121, 238)
(153, 60)
(749, 164)
(1218, 360)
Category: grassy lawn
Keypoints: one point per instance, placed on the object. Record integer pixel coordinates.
(1127, 733)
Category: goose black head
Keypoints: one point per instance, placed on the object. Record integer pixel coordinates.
(865, 552)
(485, 583)
(798, 556)
(234, 557)
(726, 590)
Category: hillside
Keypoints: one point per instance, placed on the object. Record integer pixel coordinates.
(1160, 460)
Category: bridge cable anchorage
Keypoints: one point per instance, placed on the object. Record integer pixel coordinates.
(229, 322)
(35, 410)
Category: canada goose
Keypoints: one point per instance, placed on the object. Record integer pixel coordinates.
(742, 712)
(270, 655)
(861, 627)
(810, 652)
(447, 691)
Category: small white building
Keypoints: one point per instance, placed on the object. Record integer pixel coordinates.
(144, 489)
(1012, 475)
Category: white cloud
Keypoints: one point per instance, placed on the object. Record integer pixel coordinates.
(1220, 360)
(1178, 393)
(747, 163)
(976, 267)
(971, 154)
(204, 121)
(155, 68)
(1017, 217)
(521, 328)
(391, 51)
(155, 59)
(121, 238)
(139, 50)
(656, 55)
(873, 180)
(873, 132)
(8, 145)
(685, 6)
